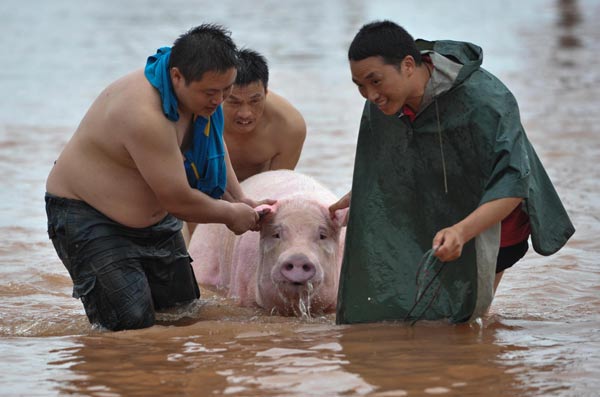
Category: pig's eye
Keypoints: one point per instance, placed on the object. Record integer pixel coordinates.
(322, 236)
(275, 235)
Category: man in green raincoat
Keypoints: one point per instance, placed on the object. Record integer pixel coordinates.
(447, 188)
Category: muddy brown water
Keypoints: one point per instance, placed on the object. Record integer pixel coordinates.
(542, 334)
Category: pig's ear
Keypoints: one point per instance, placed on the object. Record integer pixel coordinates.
(265, 209)
(340, 218)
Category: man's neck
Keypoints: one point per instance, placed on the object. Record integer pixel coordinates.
(423, 76)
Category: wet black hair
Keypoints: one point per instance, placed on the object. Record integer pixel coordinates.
(207, 47)
(252, 68)
(385, 39)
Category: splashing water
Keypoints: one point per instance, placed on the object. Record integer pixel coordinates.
(304, 304)
(302, 309)
(189, 310)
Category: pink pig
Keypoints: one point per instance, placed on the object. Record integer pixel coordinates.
(290, 267)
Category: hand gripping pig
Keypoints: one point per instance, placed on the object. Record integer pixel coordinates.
(290, 267)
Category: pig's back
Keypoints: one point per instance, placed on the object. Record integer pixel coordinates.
(285, 183)
(211, 246)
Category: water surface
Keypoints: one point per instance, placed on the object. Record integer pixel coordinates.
(542, 335)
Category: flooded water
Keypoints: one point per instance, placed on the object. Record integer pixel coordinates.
(542, 335)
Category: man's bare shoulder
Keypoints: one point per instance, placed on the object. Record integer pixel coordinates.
(286, 120)
(129, 110)
(288, 131)
(133, 99)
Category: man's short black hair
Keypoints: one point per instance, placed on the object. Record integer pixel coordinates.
(207, 47)
(385, 39)
(252, 68)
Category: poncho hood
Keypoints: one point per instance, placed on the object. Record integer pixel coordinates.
(469, 55)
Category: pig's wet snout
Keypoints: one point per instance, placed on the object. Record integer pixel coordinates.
(298, 269)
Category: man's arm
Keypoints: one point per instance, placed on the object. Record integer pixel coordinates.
(233, 192)
(152, 144)
(448, 242)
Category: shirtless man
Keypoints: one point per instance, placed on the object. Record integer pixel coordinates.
(117, 189)
(263, 131)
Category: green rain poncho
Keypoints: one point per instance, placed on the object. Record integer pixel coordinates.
(467, 136)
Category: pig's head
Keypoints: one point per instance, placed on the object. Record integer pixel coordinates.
(301, 249)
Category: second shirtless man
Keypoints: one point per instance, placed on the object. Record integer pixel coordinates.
(262, 130)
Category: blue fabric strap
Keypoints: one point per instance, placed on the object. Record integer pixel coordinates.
(204, 162)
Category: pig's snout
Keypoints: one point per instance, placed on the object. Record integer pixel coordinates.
(298, 269)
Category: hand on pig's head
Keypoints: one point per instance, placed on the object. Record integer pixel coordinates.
(263, 210)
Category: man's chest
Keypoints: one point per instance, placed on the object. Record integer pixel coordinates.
(184, 133)
(252, 152)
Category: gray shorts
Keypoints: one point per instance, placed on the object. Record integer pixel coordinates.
(121, 274)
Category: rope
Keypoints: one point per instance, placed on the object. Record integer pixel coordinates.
(437, 113)
(428, 258)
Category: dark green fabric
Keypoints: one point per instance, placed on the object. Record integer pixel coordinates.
(399, 202)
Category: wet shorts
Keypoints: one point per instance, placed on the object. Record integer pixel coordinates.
(508, 256)
(121, 274)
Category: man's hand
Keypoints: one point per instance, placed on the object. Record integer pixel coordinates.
(261, 213)
(448, 244)
(243, 218)
(254, 203)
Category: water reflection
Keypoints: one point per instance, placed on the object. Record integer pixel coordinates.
(542, 338)
(431, 358)
(569, 18)
(278, 356)
(211, 358)
(141, 363)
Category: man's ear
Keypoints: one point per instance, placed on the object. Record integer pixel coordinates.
(408, 65)
(176, 76)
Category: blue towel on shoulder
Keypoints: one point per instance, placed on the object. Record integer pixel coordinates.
(204, 162)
